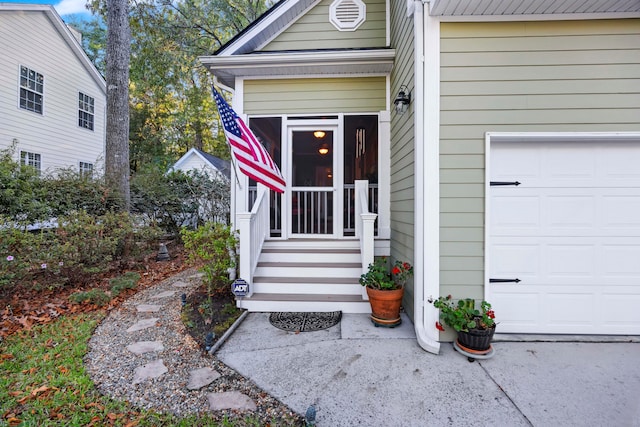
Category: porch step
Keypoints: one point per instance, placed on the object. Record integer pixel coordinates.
(304, 302)
(308, 275)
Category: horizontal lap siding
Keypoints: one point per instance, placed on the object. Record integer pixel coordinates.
(55, 134)
(309, 96)
(314, 31)
(402, 147)
(521, 77)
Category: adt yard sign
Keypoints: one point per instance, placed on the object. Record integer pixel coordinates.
(240, 287)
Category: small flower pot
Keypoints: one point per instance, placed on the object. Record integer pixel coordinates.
(385, 306)
(476, 339)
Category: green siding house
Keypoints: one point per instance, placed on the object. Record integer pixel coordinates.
(512, 176)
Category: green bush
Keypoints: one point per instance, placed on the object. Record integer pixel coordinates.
(173, 200)
(211, 245)
(94, 296)
(128, 280)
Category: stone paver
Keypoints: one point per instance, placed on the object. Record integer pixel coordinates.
(230, 400)
(143, 324)
(148, 308)
(164, 294)
(199, 378)
(142, 347)
(153, 369)
(181, 284)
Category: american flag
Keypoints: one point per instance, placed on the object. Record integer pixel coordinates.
(251, 156)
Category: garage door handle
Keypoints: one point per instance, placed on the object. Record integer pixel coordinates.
(494, 183)
(516, 280)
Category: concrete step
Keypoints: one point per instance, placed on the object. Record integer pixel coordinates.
(304, 302)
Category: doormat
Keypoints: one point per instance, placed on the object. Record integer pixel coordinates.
(305, 322)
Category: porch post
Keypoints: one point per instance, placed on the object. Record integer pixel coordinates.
(384, 179)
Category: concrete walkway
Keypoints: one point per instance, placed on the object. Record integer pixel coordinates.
(356, 374)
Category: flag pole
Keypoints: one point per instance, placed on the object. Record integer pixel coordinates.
(231, 156)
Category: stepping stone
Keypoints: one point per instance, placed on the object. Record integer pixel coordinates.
(197, 276)
(142, 347)
(148, 308)
(230, 400)
(199, 378)
(164, 294)
(143, 324)
(151, 370)
(181, 284)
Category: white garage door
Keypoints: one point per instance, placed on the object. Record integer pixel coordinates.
(570, 233)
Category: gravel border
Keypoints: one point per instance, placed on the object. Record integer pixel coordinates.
(111, 365)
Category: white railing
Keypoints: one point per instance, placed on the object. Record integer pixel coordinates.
(254, 229)
(350, 208)
(311, 211)
(364, 225)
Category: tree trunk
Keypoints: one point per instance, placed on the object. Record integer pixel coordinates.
(117, 138)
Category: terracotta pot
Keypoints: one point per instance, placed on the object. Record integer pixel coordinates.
(476, 339)
(385, 306)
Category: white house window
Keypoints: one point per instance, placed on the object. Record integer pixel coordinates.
(31, 90)
(86, 169)
(31, 159)
(85, 111)
(347, 15)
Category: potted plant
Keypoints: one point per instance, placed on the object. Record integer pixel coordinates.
(385, 288)
(475, 327)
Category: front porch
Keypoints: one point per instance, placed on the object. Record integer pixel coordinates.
(312, 273)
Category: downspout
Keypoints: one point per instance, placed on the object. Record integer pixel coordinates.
(427, 255)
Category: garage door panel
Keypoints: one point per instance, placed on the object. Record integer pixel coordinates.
(570, 232)
(520, 261)
(570, 261)
(569, 212)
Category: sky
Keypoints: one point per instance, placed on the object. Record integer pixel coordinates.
(65, 8)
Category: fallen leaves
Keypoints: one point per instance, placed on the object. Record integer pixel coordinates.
(28, 307)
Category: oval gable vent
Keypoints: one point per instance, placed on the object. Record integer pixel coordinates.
(347, 15)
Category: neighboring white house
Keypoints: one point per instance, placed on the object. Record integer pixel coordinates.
(52, 98)
(195, 159)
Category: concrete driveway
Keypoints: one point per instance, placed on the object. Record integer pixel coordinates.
(356, 374)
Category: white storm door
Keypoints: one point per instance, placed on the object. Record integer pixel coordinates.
(569, 233)
(312, 198)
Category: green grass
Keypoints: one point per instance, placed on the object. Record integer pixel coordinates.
(44, 383)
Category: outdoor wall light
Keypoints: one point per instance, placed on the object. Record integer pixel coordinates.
(319, 134)
(403, 100)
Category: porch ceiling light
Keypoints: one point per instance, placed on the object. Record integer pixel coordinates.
(319, 134)
(324, 149)
(403, 100)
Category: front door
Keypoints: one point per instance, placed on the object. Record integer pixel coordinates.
(313, 203)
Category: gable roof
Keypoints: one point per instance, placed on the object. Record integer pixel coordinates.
(266, 27)
(223, 166)
(548, 8)
(64, 32)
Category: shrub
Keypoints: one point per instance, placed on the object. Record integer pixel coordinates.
(128, 280)
(212, 246)
(178, 199)
(94, 296)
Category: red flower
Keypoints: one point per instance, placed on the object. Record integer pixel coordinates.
(396, 270)
(439, 326)
(406, 265)
(491, 314)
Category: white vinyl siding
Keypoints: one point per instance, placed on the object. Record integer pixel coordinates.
(555, 76)
(55, 134)
(315, 31)
(308, 96)
(402, 146)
